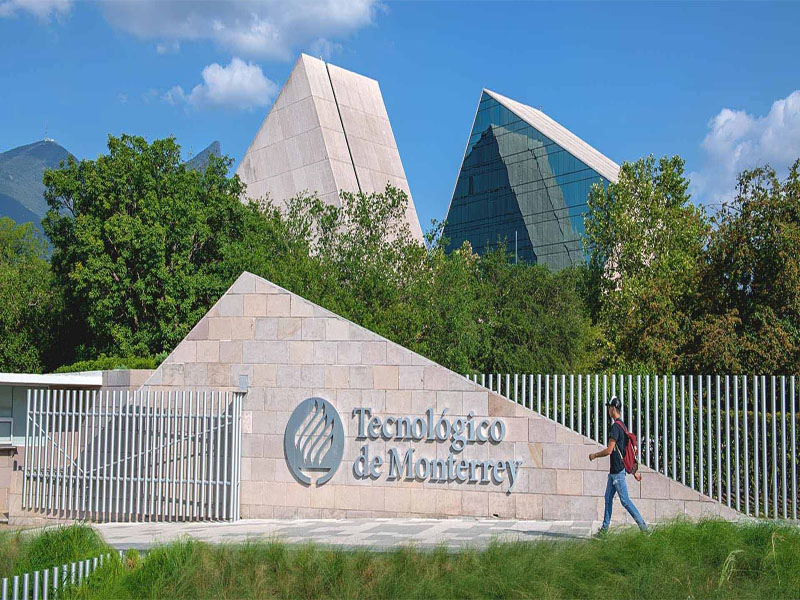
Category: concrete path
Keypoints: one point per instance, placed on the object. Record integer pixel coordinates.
(380, 534)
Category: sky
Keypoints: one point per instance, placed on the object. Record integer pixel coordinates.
(717, 83)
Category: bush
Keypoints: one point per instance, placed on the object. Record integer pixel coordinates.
(109, 363)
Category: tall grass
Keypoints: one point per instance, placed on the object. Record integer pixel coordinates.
(712, 559)
(27, 551)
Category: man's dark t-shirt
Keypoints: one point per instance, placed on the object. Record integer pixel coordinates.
(621, 439)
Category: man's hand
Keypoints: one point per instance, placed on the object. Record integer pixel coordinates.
(637, 477)
(591, 456)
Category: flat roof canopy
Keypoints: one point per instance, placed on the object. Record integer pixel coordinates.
(83, 379)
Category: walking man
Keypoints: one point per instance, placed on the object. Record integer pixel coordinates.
(617, 445)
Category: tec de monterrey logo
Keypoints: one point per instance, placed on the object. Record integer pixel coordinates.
(314, 440)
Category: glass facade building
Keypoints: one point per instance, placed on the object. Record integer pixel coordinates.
(524, 182)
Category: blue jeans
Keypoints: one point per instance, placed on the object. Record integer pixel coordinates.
(616, 485)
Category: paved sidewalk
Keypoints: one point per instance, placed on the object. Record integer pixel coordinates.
(373, 533)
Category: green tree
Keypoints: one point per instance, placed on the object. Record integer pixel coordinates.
(646, 243)
(137, 240)
(28, 303)
(749, 315)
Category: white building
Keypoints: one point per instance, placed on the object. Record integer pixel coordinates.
(327, 131)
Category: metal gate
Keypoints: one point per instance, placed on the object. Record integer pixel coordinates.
(133, 456)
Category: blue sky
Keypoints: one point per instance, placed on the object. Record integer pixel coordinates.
(717, 83)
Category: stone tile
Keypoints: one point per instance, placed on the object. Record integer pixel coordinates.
(185, 352)
(220, 328)
(301, 307)
(254, 305)
(678, 491)
(397, 355)
(231, 352)
(230, 305)
(555, 456)
(279, 305)
(325, 353)
(208, 351)
(502, 505)
(541, 481)
(265, 375)
(290, 329)
(348, 353)
(529, 506)
(373, 353)
(410, 378)
(314, 329)
(337, 329)
(337, 377)
(266, 329)
(594, 483)
(475, 402)
(398, 402)
(361, 377)
(301, 353)
(541, 430)
(569, 483)
(654, 486)
(448, 502)
(475, 504)
(384, 377)
(243, 328)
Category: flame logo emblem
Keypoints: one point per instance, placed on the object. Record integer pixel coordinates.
(314, 440)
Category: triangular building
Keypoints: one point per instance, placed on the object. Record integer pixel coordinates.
(524, 181)
(327, 131)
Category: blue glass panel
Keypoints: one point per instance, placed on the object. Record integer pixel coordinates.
(519, 188)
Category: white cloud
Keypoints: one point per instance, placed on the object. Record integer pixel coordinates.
(41, 9)
(168, 47)
(239, 85)
(737, 140)
(324, 48)
(254, 28)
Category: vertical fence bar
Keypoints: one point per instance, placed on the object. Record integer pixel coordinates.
(764, 445)
(523, 392)
(605, 412)
(630, 403)
(794, 452)
(116, 445)
(647, 420)
(106, 423)
(656, 414)
(757, 479)
(639, 417)
(727, 440)
(736, 438)
(181, 505)
(125, 420)
(547, 396)
(539, 393)
(90, 434)
(197, 453)
(516, 388)
(572, 401)
(710, 437)
(47, 488)
(665, 423)
(674, 432)
(683, 430)
(217, 453)
(783, 444)
(580, 404)
(691, 432)
(211, 454)
(774, 450)
(530, 391)
(26, 472)
(588, 415)
(700, 439)
(508, 389)
(113, 459)
(596, 413)
(746, 447)
(60, 479)
(228, 487)
(139, 428)
(148, 474)
(173, 488)
(555, 400)
(203, 462)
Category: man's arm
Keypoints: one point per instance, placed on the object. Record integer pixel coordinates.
(611, 445)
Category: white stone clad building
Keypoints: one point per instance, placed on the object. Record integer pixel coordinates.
(327, 131)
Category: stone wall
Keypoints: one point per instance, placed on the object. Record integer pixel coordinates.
(285, 349)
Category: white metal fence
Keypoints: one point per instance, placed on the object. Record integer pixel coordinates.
(133, 456)
(48, 583)
(731, 437)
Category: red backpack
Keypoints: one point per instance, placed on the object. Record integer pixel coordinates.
(630, 460)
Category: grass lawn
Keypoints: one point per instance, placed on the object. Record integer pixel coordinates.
(712, 559)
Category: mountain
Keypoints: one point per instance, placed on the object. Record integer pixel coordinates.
(21, 187)
(199, 162)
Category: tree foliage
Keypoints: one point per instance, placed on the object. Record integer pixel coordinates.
(646, 244)
(749, 311)
(29, 304)
(137, 240)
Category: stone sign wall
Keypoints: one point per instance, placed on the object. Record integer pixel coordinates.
(340, 422)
